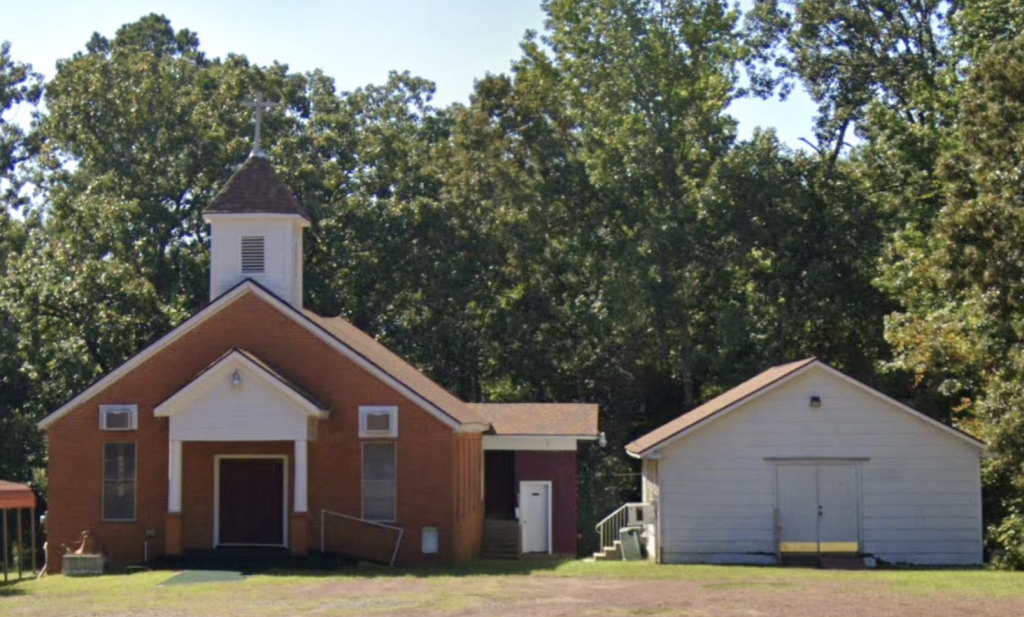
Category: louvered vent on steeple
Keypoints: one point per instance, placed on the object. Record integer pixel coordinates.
(253, 255)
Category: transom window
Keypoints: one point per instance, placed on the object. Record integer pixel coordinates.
(378, 421)
(380, 474)
(253, 256)
(119, 466)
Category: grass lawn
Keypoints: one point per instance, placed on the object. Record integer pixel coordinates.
(535, 588)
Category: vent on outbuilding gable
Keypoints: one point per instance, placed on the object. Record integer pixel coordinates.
(252, 254)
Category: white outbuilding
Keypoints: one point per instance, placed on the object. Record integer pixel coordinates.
(805, 460)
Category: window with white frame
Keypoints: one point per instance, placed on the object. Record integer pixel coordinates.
(380, 474)
(253, 256)
(119, 466)
(378, 421)
(119, 417)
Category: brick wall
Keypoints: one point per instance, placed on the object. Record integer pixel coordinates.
(559, 468)
(427, 449)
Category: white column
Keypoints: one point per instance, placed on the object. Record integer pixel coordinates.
(174, 477)
(301, 475)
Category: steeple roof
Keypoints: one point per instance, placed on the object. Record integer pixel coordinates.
(255, 189)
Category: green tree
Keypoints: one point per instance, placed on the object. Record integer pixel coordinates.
(962, 325)
(20, 444)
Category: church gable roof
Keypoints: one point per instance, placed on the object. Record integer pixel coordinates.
(343, 337)
(255, 189)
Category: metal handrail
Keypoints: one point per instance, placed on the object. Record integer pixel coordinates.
(609, 528)
(323, 546)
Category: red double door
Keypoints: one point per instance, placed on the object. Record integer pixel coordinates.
(251, 501)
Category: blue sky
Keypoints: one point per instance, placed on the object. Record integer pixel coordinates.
(450, 42)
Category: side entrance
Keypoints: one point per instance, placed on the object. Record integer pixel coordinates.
(817, 507)
(250, 501)
(535, 516)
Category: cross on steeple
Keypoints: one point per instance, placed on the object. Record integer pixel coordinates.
(259, 105)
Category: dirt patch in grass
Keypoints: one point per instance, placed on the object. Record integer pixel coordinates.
(574, 590)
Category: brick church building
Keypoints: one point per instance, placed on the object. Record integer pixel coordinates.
(258, 423)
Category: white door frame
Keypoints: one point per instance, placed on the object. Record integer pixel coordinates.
(522, 491)
(217, 458)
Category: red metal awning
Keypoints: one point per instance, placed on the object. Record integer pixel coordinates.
(13, 496)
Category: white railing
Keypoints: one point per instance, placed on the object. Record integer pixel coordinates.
(609, 527)
(323, 534)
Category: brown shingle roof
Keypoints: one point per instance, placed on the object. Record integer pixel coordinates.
(255, 188)
(715, 405)
(368, 347)
(570, 419)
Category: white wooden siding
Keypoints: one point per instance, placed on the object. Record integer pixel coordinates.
(282, 270)
(920, 486)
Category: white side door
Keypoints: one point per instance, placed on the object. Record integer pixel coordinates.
(535, 516)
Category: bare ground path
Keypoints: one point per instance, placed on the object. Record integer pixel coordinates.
(567, 589)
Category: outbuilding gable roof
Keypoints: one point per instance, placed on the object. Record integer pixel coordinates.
(753, 388)
(547, 419)
(255, 189)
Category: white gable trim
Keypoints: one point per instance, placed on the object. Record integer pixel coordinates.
(655, 450)
(236, 359)
(213, 308)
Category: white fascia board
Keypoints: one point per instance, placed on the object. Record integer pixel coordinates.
(550, 443)
(185, 327)
(233, 361)
(298, 219)
(904, 408)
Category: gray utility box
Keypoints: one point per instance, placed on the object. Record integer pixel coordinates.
(82, 565)
(630, 538)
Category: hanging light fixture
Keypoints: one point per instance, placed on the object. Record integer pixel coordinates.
(236, 380)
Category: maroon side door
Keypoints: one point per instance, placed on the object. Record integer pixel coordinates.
(251, 501)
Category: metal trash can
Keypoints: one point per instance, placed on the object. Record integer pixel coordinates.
(630, 538)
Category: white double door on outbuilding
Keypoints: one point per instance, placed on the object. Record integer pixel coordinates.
(818, 509)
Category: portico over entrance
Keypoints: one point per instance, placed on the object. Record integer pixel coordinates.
(259, 492)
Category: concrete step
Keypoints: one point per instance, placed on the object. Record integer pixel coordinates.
(610, 553)
(501, 539)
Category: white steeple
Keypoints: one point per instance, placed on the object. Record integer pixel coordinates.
(256, 233)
